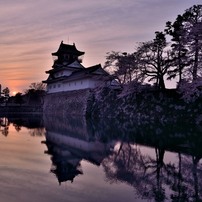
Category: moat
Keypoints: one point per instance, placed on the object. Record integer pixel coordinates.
(73, 159)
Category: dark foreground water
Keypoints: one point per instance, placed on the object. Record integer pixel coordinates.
(73, 159)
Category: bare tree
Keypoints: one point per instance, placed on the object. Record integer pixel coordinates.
(155, 59)
(37, 86)
(123, 66)
(36, 93)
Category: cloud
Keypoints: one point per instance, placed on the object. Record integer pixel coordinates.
(31, 30)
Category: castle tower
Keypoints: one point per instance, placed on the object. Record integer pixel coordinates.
(66, 54)
(68, 74)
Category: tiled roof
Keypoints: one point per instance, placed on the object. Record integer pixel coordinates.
(66, 48)
(72, 66)
(93, 71)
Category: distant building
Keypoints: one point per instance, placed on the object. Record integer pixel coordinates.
(69, 74)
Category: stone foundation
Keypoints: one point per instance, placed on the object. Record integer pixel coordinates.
(67, 103)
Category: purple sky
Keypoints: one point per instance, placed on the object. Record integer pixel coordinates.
(31, 30)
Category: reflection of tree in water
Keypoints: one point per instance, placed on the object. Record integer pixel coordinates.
(27, 121)
(37, 131)
(187, 185)
(140, 171)
(4, 126)
(17, 127)
(152, 178)
(34, 126)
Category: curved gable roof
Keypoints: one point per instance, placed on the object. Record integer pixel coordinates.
(69, 49)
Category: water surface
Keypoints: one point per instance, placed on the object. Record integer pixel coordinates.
(73, 159)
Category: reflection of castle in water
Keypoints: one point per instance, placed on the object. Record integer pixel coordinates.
(155, 173)
(69, 141)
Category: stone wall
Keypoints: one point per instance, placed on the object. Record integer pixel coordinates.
(147, 106)
(67, 103)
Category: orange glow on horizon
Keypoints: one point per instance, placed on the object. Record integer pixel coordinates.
(14, 93)
(16, 86)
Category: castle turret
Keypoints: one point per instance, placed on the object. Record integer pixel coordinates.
(66, 54)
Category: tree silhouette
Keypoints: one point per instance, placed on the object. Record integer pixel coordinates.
(19, 99)
(154, 59)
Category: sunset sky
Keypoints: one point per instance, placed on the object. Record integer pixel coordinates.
(31, 30)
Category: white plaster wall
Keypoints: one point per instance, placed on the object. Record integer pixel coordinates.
(67, 72)
(62, 73)
(72, 85)
(76, 143)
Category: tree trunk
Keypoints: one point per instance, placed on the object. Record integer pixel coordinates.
(195, 67)
(180, 74)
(161, 83)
